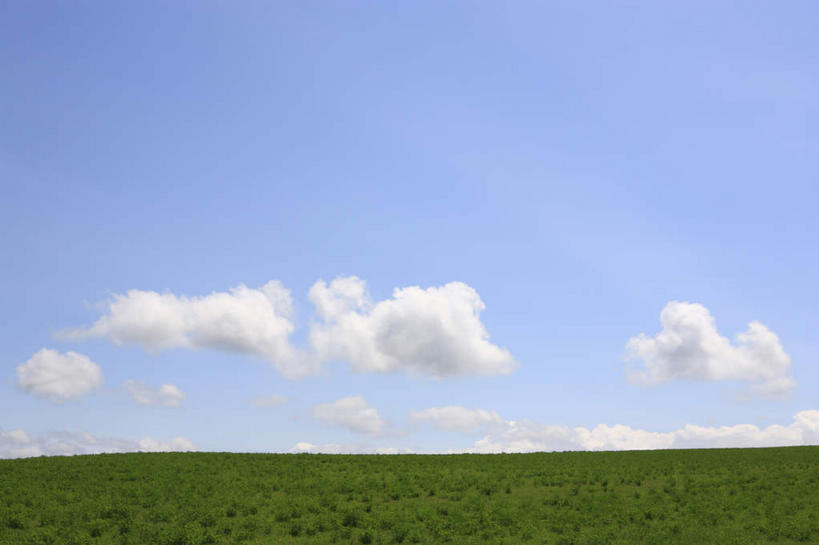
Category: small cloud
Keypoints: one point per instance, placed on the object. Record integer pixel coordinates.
(456, 418)
(352, 413)
(177, 444)
(58, 377)
(167, 395)
(333, 448)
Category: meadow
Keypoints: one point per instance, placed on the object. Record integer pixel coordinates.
(725, 496)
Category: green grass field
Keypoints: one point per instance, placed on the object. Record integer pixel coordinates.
(684, 496)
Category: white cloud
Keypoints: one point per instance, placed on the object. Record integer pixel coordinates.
(245, 320)
(166, 395)
(343, 295)
(392, 450)
(333, 448)
(269, 401)
(456, 418)
(352, 412)
(19, 444)
(690, 348)
(177, 444)
(528, 436)
(58, 377)
(434, 331)
(304, 446)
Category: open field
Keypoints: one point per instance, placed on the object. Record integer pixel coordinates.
(684, 496)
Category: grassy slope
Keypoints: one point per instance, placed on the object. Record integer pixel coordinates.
(693, 496)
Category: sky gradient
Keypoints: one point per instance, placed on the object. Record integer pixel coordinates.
(422, 226)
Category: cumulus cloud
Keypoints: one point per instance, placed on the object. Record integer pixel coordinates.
(19, 444)
(344, 295)
(269, 401)
(434, 331)
(689, 347)
(352, 412)
(456, 418)
(528, 436)
(58, 377)
(166, 395)
(333, 448)
(245, 320)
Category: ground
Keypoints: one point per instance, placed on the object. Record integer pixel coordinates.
(675, 496)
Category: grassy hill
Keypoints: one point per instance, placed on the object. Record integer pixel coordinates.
(683, 496)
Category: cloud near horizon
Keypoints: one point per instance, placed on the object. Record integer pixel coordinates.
(58, 377)
(435, 331)
(508, 436)
(528, 436)
(19, 444)
(689, 347)
(335, 448)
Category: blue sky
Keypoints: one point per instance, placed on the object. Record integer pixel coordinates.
(574, 166)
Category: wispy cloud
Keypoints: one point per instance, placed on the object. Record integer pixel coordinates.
(167, 395)
(19, 444)
(249, 321)
(352, 413)
(456, 418)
